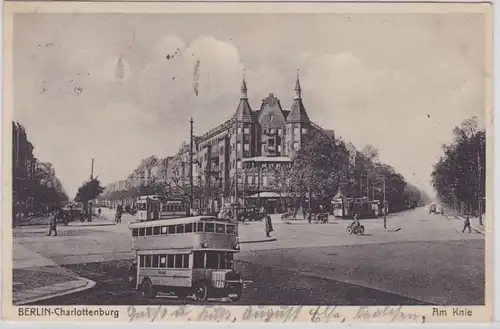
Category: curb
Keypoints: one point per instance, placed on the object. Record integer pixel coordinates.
(89, 285)
(258, 241)
(86, 225)
(476, 229)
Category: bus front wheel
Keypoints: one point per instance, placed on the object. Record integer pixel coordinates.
(201, 291)
(147, 289)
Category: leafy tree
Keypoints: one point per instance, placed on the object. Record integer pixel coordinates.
(318, 168)
(89, 191)
(459, 176)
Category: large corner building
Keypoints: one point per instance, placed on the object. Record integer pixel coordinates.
(250, 146)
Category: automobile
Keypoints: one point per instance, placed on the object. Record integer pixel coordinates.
(432, 208)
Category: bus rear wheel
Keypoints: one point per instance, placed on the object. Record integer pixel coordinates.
(201, 291)
(147, 289)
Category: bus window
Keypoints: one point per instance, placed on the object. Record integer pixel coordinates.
(149, 260)
(149, 231)
(189, 228)
(142, 231)
(171, 229)
(142, 261)
(220, 228)
(185, 261)
(230, 229)
(199, 227)
(179, 228)
(225, 260)
(198, 259)
(210, 227)
(156, 230)
(178, 261)
(170, 261)
(163, 261)
(163, 230)
(156, 261)
(212, 260)
(135, 232)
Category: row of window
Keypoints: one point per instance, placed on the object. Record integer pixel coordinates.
(163, 207)
(201, 259)
(185, 228)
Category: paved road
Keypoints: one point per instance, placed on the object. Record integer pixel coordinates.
(421, 258)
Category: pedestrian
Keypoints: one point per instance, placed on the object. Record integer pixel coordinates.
(269, 225)
(53, 222)
(467, 224)
(304, 213)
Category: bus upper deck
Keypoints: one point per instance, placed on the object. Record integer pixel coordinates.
(198, 232)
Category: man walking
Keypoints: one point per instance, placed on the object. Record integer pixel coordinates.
(53, 222)
(467, 224)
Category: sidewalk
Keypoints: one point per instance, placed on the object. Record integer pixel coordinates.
(36, 284)
(96, 221)
(474, 224)
(35, 277)
(44, 221)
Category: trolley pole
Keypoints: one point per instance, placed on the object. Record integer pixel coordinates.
(191, 183)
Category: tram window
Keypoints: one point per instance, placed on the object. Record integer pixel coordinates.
(149, 260)
(189, 228)
(163, 261)
(178, 261)
(142, 231)
(170, 261)
(230, 229)
(209, 227)
(141, 206)
(149, 231)
(199, 227)
(185, 261)
(199, 259)
(142, 261)
(219, 228)
(171, 229)
(156, 261)
(156, 230)
(135, 232)
(212, 260)
(179, 228)
(163, 230)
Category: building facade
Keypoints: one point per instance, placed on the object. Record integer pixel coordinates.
(240, 157)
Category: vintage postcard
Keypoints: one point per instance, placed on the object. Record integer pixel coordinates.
(247, 162)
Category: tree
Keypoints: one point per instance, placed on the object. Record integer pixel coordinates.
(89, 191)
(318, 168)
(459, 176)
(281, 182)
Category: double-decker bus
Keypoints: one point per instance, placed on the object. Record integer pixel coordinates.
(152, 207)
(186, 256)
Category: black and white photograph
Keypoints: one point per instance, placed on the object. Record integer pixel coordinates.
(250, 158)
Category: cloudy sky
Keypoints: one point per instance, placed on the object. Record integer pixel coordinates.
(106, 86)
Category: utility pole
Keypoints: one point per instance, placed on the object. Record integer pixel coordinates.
(91, 179)
(236, 177)
(367, 186)
(479, 194)
(191, 183)
(385, 208)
